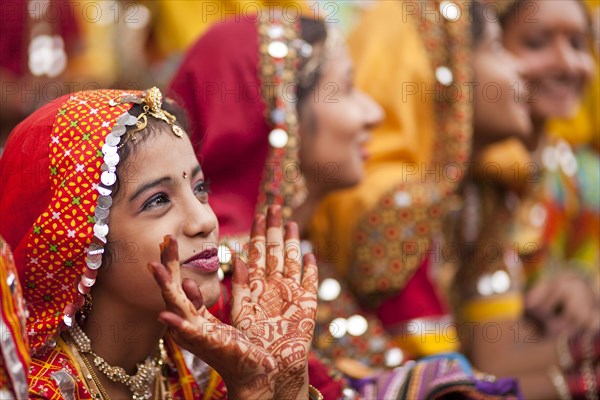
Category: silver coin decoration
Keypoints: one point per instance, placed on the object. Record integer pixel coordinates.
(129, 98)
(95, 249)
(94, 258)
(87, 282)
(108, 150)
(104, 202)
(112, 140)
(108, 178)
(101, 230)
(444, 75)
(118, 130)
(278, 138)
(277, 49)
(112, 159)
(275, 31)
(126, 119)
(278, 115)
(108, 168)
(101, 214)
(104, 191)
(92, 264)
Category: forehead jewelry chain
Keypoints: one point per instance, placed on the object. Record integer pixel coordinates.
(154, 101)
(151, 102)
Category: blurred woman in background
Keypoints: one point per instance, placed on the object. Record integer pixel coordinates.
(537, 230)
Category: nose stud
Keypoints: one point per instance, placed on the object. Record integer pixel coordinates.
(184, 175)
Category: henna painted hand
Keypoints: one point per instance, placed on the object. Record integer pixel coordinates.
(248, 369)
(566, 303)
(265, 353)
(275, 303)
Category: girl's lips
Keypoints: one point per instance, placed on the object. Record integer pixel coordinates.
(204, 265)
(364, 154)
(362, 148)
(207, 261)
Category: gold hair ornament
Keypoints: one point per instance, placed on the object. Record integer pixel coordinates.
(151, 102)
(153, 99)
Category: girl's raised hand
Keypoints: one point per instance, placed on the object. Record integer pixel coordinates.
(265, 353)
(275, 300)
(248, 370)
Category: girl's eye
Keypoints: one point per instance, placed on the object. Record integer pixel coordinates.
(201, 190)
(535, 43)
(578, 42)
(158, 200)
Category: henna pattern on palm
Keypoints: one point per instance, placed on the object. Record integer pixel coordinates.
(265, 353)
(279, 306)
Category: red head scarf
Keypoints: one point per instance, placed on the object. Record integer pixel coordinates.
(230, 139)
(242, 151)
(56, 174)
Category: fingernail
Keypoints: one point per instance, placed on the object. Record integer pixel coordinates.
(274, 216)
(168, 250)
(309, 258)
(291, 231)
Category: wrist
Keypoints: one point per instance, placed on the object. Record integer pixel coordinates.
(292, 386)
(247, 390)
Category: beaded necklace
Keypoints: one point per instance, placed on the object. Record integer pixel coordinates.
(140, 384)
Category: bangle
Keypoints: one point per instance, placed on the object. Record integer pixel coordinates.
(313, 393)
(559, 383)
(587, 369)
(565, 359)
(589, 381)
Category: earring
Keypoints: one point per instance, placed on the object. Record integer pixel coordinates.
(87, 307)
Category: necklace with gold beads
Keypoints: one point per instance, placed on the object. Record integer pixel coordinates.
(139, 384)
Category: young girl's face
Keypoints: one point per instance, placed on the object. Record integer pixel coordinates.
(162, 191)
(500, 107)
(551, 38)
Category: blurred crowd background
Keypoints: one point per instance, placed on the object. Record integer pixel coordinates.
(52, 47)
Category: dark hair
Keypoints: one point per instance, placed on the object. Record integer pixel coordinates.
(314, 33)
(510, 12)
(478, 22)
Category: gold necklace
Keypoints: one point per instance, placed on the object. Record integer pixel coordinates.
(140, 384)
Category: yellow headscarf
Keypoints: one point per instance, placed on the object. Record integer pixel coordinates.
(402, 64)
(394, 141)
